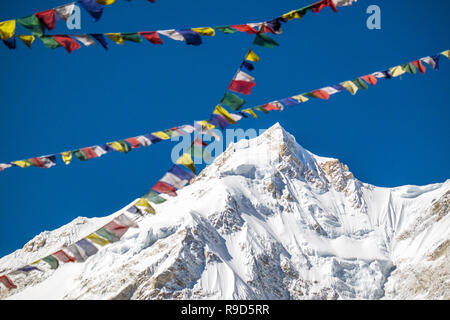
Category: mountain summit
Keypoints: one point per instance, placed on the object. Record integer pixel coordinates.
(266, 220)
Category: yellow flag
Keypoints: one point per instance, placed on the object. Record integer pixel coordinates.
(143, 203)
(251, 112)
(28, 40)
(300, 98)
(294, 14)
(251, 56)
(446, 53)
(98, 240)
(224, 113)
(186, 160)
(206, 124)
(397, 71)
(7, 29)
(206, 31)
(22, 163)
(350, 86)
(116, 37)
(161, 135)
(105, 2)
(67, 156)
(116, 146)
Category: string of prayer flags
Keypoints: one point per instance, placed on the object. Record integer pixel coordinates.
(222, 118)
(82, 249)
(38, 22)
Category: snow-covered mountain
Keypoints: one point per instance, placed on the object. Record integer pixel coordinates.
(266, 220)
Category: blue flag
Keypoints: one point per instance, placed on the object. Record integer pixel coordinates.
(94, 9)
(191, 37)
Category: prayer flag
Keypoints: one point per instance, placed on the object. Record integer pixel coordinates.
(52, 261)
(320, 94)
(94, 9)
(63, 256)
(101, 39)
(67, 156)
(350, 86)
(108, 235)
(232, 101)
(67, 42)
(226, 29)
(247, 65)
(85, 39)
(165, 188)
(251, 56)
(7, 29)
(28, 40)
(151, 36)
(360, 84)
(7, 282)
(154, 197)
(186, 161)
(243, 87)
(49, 42)
(65, 11)
(172, 34)
(178, 171)
(419, 65)
(191, 37)
(10, 43)
(97, 240)
(250, 112)
(116, 228)
(433, 61)
(133, 37)
(370, 79)
(48, 18)
(300, 98)
(241, 75)
(206, 31)
(32, 24)
(245, 28)
(264, 40)
(116, 37)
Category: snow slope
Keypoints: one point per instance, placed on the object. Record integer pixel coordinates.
(266, 220)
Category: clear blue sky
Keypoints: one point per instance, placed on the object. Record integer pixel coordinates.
(396, 133)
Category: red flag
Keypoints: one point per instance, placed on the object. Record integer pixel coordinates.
(48, 18)
(321, 94)
(67, 42)
(37, 162)
(63, 256)
(270, 107)
(151, 36)
(418, 64)
(245, 28)
(370, 79)
(322, 4)
(118, 229)
(240, 86)
(265, 29)
(163, 187)
(134, 142)
(89, 152)
(7, 282)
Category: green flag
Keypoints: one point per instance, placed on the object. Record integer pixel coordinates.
(226, 29)
(410, 68)
(232, 101)
(50, 42)
(134, 37)
(260, 108)
(32, 24)
(52, 261)
(360, 84)
(80, 155)
(198, 152)
(264, 40)
(108, 235)
(154, 197)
